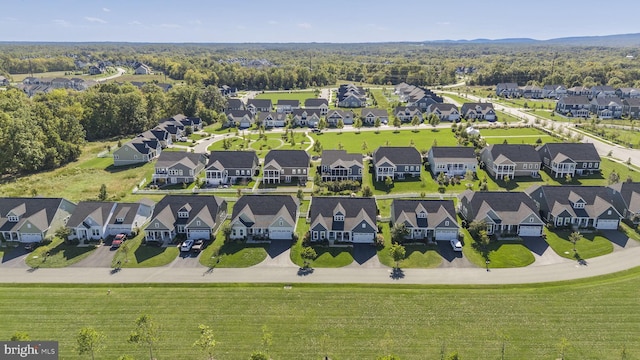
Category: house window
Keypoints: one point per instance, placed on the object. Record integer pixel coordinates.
(584, 165)
(233, 232)
(609, 212)
(157, 225)
(530, 219)
(536, 166)
(590, 165)
(116, 157)
(183, 214)
(446, 223)
(12, 218)
(280, 223)
(364, 226)
(180, 228)
(198, 223)
(95, 232)
(314, 235)
(237, 172)
(525, 166)
(338, 218)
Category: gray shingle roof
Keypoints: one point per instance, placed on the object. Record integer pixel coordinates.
(355, 210)
(453, 152)
(98, 211)
(578, 152)
(398, 155)
(189, 159)
(510, 207)
(331, 157)
(233, 159)
(559, 199)
(38, 211)
(315, 102)
(437, 211)
(288, 158)
(262, 209)
(514, 152)
(204, 207)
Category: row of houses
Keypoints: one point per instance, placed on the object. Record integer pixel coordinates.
(332, 219)
(32, 85)
(611, 107)
(417, 96)
(512, 90)
(148, 145)
(351, 96)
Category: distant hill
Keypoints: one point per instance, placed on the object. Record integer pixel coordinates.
(621, 40)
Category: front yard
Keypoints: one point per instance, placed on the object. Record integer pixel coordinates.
(591, 245)
(232, 254)
(502, 253)
(58, 254)
(133, 254)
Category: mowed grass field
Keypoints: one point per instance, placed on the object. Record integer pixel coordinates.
(597, 317)
(287, 95)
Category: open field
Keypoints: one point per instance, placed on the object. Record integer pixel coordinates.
(598, 318)
(355, 142)
(287, 95)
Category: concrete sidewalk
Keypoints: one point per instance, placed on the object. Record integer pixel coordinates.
(614, 262)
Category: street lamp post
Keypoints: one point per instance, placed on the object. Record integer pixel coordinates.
(487, 263)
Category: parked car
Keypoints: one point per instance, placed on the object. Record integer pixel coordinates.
(186, 245)
(198, 245)
(118, 240)
(456, 245)
(31, 246)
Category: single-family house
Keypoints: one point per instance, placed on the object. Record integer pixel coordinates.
(305, 117)
(609, 107)
(129, 218)
(531, 92)
(452, 160)
(90, 219)
(407, 113)
(351, 96)
(334, 116)
(192, 216)
(628, 93)
(29, 220)
(602, 91)
(579, 91)
(511, 160)
(445, 112)
(431, 220)
(241, 119)
(343, 219)
(574, 106)
(137, 151)
(175, 167)
(339, 165)
(142, 69)
(286, 166)
(158, 134)
(371, 115)
(264, 217)
(506, 213)
(259, 105)
(578, 207)
(626, 199)
(562, 159)
(396, 162)
(230, 167)
(317, 104)
(226, 90)
(3, 81)
(272, 119)
(510, 90)
(96, 70)
(553, 91)
(479, 111)
(235, 104)
(287, 106)
(631, 108)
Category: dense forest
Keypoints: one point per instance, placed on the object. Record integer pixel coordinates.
(46, 131)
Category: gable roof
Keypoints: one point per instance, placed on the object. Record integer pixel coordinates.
(375, 112)
(288, 158)
(405, 211)
(355, 210)
(203, 207)
(575, 100)
(38, 211)
(397, 155)
(629, 192)
(506, 207)
(233, 159)
(260, 103)
(514, 152)
(316, 102)
(188, 159)
(276, 116)
(234, 103)
(127, 212)
(293, 103)
(97, 210)
(575, 151)
(559, 199)
(332, 158)
(262, 210)
(453, 152)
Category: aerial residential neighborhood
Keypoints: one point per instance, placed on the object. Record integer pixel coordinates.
(331, 180)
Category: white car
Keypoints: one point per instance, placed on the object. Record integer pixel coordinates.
(456, 245)
(186, 245)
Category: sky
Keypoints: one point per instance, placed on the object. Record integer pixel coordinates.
(344, 21)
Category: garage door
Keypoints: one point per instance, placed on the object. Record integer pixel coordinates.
(199, 234)
(442, 235)
(530, 230)
(280, 234)
(363, 238)
(607, 224)
(30, 237)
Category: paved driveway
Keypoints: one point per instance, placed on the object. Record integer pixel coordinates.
(365, 256)
(452, 259)
(278, 255)
(99, 258)
(186, 259)
(619, 240)
(14, 258)
(542, 252)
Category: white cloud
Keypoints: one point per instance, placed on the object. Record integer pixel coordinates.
(94, 19)
(170, 26)
(272, 22)
(63, 23)
(135, 22)
(304, 26)
(106, 9)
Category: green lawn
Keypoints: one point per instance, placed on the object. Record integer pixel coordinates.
(58, 254)
(380, 98)
(627, 138)
(417, 256)
(598, 317)
(271, 141)
(234, 254)
(328, 257)
(516, 136)
(134, 254)
(502, 254)
(591, 245)
(274, 96)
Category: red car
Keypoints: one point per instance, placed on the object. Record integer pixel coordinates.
(118, 240)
